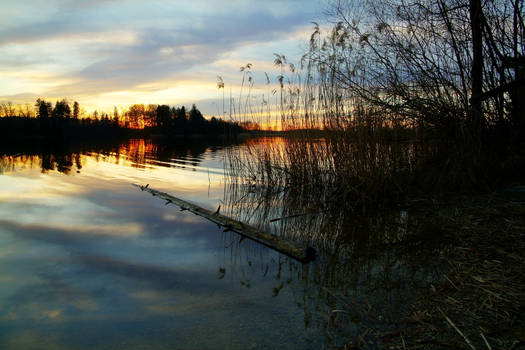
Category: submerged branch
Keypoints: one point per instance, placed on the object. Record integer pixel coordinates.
(294, 250)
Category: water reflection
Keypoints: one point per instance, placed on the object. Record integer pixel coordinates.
(370, 268)
(139, 153)
(87, 261)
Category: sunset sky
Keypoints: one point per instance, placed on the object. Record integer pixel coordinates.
(106, 53)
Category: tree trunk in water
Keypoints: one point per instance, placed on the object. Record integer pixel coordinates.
(298, 251)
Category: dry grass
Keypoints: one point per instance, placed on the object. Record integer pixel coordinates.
(480, 303)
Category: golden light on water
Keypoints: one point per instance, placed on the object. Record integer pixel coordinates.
(128, 163)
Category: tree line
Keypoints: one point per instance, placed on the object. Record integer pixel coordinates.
(165, 119)
(65, 119)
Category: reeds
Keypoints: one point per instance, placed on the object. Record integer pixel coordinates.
(337, 157)
(331, 146)
(378, 108)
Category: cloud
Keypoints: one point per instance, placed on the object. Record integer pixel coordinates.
(107, 46)
(161, 54)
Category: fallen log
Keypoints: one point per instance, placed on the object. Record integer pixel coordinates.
(295, 250)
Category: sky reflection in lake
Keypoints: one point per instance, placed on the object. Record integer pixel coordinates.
(88, 261)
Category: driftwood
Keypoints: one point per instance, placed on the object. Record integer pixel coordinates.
(294, 250)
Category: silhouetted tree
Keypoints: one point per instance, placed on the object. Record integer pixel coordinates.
(180, 120)
(62, 110)
(116, 118)
(423, 60)
(136, 116)
(150, 115)
(44, 108)
(76, 110)
(197, 121)
(163, 116)
(195, 115)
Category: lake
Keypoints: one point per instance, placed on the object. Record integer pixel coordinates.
(89, 261)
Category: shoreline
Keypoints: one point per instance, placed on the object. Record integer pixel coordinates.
(480, 302)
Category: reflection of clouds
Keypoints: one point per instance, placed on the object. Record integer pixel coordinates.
(65, 211)
(33, 339)
(168, 307)
(93, 292)
(193, 242)
(61, 232)
(87, 205)
(171, 278)
(185, 219)
(95, 258)
(16, 187)
(34, 311)
(102, 228)
(50, 298)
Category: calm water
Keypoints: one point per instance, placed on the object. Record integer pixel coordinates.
(88, 261)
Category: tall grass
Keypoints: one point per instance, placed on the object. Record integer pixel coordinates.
(332, 147)
(363, 127)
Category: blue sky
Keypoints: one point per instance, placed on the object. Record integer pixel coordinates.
(107, 53)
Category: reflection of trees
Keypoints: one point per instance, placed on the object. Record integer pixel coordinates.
(370, 266)
(8, 163)
(62, 161)
(143, 152)
(138, 153)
